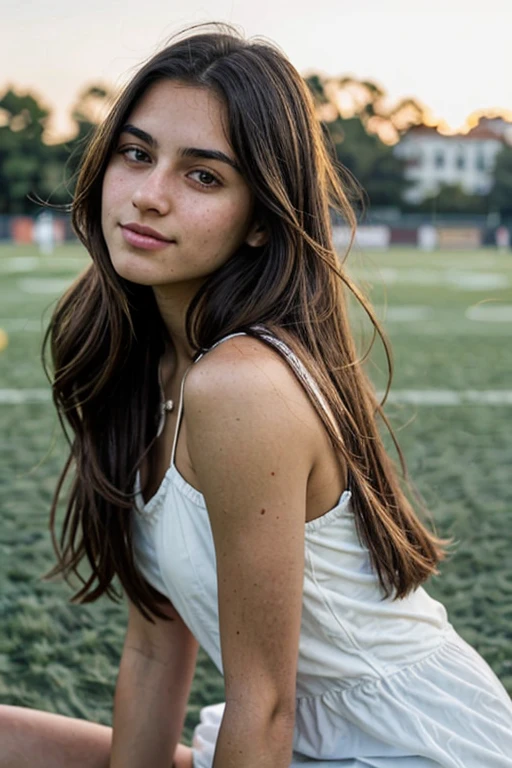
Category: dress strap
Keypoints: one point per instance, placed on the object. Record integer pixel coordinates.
(304, 376)
(296, 364)
(224, 338)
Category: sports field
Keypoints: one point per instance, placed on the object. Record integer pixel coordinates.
(449, 318)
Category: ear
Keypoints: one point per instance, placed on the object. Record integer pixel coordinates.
(257, 235)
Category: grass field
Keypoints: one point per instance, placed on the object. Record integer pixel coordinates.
(448, 316)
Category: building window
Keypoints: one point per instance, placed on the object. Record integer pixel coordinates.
(460, 162)
(480, 161)
(414, 161)
(439, 159)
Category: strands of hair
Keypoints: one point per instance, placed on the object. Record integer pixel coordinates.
(106, 336)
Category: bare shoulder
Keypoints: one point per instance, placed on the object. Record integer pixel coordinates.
(247, 371)
(243, 352)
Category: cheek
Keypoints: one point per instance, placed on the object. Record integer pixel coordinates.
(224, 225)
(112, 193)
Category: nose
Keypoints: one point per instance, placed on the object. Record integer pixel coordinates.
(153, 193)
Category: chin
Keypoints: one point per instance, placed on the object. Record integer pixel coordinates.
(133, 272)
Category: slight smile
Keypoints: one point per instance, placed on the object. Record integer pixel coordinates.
(145, 241)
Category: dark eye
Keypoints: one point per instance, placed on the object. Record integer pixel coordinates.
(207, 178)
(136, 153)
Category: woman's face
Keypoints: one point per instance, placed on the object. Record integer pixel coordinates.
(161, 177)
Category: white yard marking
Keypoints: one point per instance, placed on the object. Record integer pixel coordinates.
(19, 264)
(24, 396)
(453, 278)
(413, 396)
(485, 313)
(451, 396)
(490, 313)
(13, 324)
(477, 281)
(404, 313)
(14, 264)
(50, 285)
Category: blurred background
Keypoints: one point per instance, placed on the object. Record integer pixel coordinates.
(418, 105)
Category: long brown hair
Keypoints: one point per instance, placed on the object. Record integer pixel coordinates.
(106, 335)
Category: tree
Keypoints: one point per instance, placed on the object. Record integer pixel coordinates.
(22, 153)
(451, 198)
(364, 154)
(31, 172)
(368, 101)
(86, 112)
(500, 197)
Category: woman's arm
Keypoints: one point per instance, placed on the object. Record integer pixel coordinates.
(251, 439)
(153, 686)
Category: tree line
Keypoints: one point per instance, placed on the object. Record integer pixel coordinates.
(33, 172)
(360, 126)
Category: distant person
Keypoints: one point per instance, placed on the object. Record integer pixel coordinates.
(427, 237)
(44, 233)
(503, 238)
(272, 528)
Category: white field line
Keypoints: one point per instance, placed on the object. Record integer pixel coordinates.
(17, 264)
(490, 313)
(480, 313)
(411, 313)
(404, 313)
(44, 285)
(24, 396)
(450, 396)
(463, 280)
(442, 274)
(412, 396)
(14, 324)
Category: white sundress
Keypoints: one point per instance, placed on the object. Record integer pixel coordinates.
(380, 683)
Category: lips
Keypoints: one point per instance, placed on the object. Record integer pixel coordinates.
(148, 231)
(143, 241)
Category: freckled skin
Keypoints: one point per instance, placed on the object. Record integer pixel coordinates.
(178, 197)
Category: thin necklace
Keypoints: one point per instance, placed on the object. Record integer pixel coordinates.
(165, 405)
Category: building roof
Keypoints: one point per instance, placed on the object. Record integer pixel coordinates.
(423, 130)
(482, 132)
(479, 132)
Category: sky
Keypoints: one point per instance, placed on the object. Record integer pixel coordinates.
(455, 56)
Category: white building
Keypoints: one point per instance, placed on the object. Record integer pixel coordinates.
(467, 160)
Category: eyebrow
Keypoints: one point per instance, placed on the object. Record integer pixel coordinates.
(205, 154)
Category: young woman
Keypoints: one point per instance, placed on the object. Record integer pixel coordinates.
(228, 466)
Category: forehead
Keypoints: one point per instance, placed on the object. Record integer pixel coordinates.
(174, 110)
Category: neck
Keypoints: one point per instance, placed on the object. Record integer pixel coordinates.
(172, 305)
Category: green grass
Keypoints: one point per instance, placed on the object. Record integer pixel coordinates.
(64, 658)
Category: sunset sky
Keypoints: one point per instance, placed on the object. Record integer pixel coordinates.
(455, 56)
